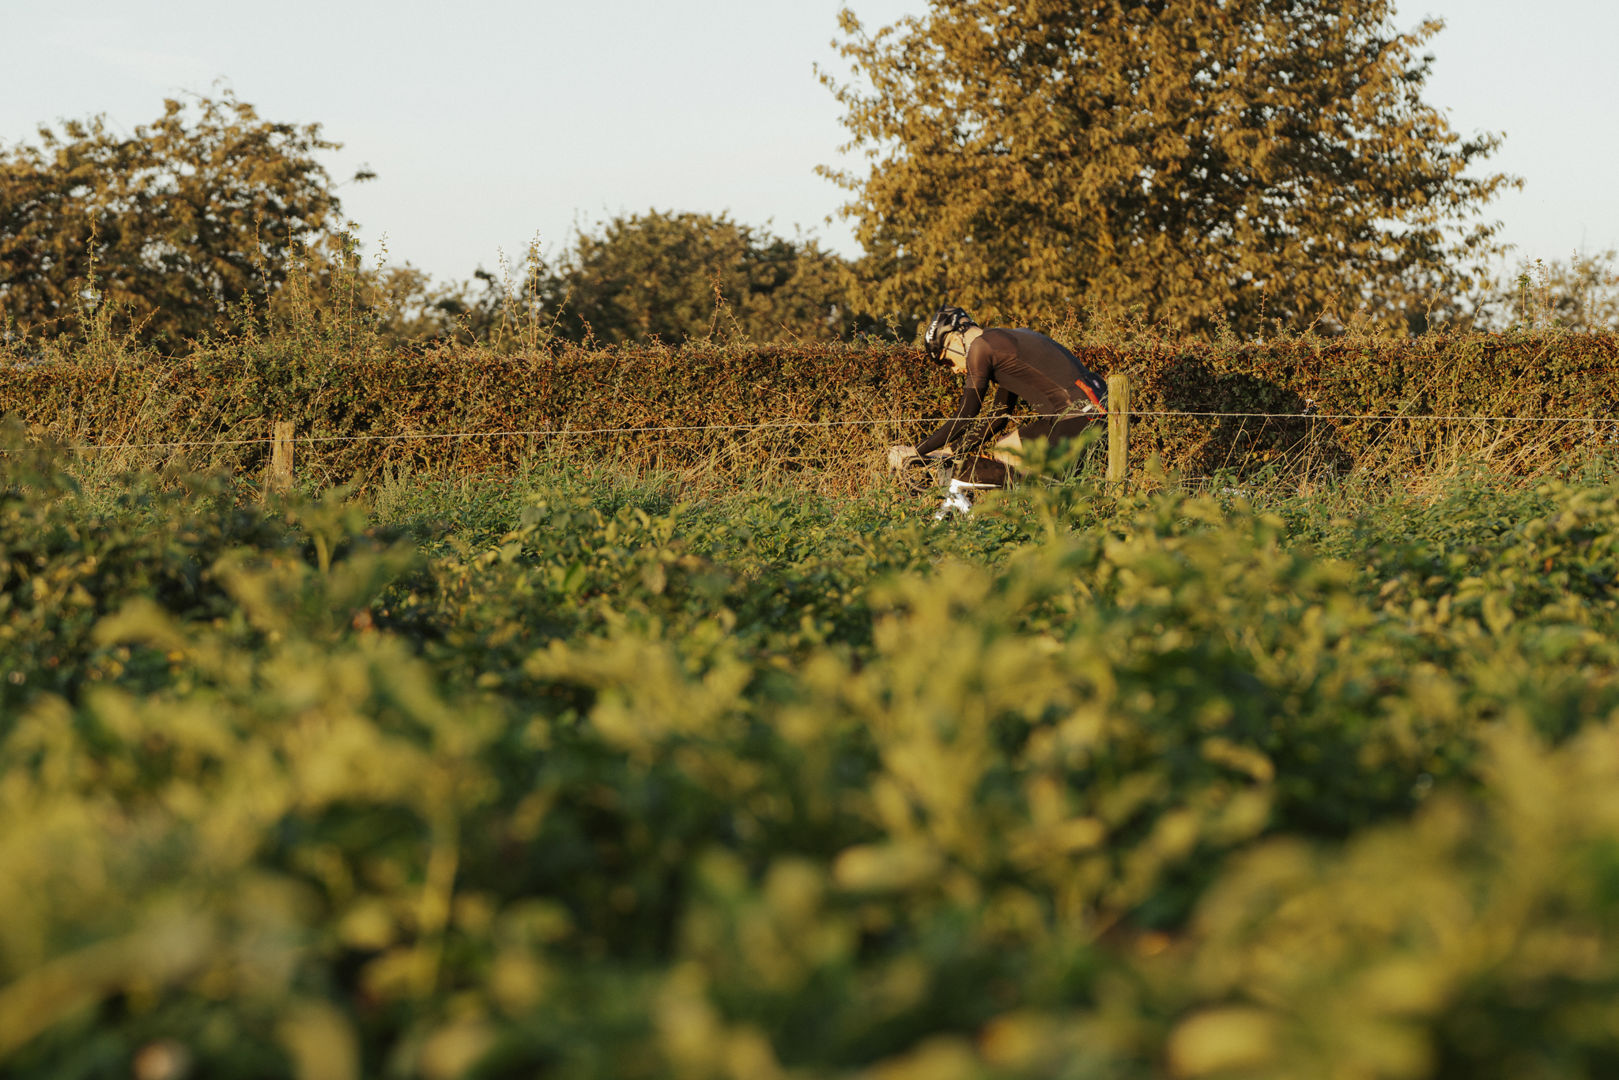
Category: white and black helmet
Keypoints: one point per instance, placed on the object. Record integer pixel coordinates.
(948, 321)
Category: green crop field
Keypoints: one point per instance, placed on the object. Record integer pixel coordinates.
(566, 777)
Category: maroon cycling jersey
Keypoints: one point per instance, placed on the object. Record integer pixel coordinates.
(1024, 366)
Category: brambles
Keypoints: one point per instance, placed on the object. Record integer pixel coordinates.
(577, 779)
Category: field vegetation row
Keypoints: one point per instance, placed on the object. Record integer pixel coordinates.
(568, 777)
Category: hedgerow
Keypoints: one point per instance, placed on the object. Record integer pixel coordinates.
(825, 410)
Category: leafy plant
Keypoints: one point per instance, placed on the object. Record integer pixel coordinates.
(581, 779)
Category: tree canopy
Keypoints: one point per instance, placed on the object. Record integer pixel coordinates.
(207, 206)
(1197, 161)
(677, 276)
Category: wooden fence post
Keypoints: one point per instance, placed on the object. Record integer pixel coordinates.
(280, 478)
(1118, 432)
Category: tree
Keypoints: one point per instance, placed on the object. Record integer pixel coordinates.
(1197, 161)
(413, 310)
(206, 207)
(1580, 295)
(680, 276)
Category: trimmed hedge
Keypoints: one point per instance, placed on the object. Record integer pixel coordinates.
(1517, 376)
(710, 396)
(824, 407)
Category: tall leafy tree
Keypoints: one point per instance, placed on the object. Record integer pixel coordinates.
(676, 276)
(1197, 161)
(207, 206)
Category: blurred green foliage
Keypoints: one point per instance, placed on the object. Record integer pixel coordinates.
(587, 782)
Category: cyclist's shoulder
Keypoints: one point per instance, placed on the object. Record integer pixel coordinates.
(1021, 335)
(1029, 344)
(1004, 339)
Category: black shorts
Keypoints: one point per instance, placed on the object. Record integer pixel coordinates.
(1056, 429)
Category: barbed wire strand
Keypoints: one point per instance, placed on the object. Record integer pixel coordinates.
(1452, 418)
(800, 424)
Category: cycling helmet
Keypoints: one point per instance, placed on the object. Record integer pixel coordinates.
(948, 321)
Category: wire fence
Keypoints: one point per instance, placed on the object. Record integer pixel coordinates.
(844, 454)
(644, 429)
(766, 425)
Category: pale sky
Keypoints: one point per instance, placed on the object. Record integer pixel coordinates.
(490, 121)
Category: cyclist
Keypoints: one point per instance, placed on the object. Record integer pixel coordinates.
(1024, 366)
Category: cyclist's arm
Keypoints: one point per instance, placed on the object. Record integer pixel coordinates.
(1001, 410)
(972, 403)
(980, 363)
